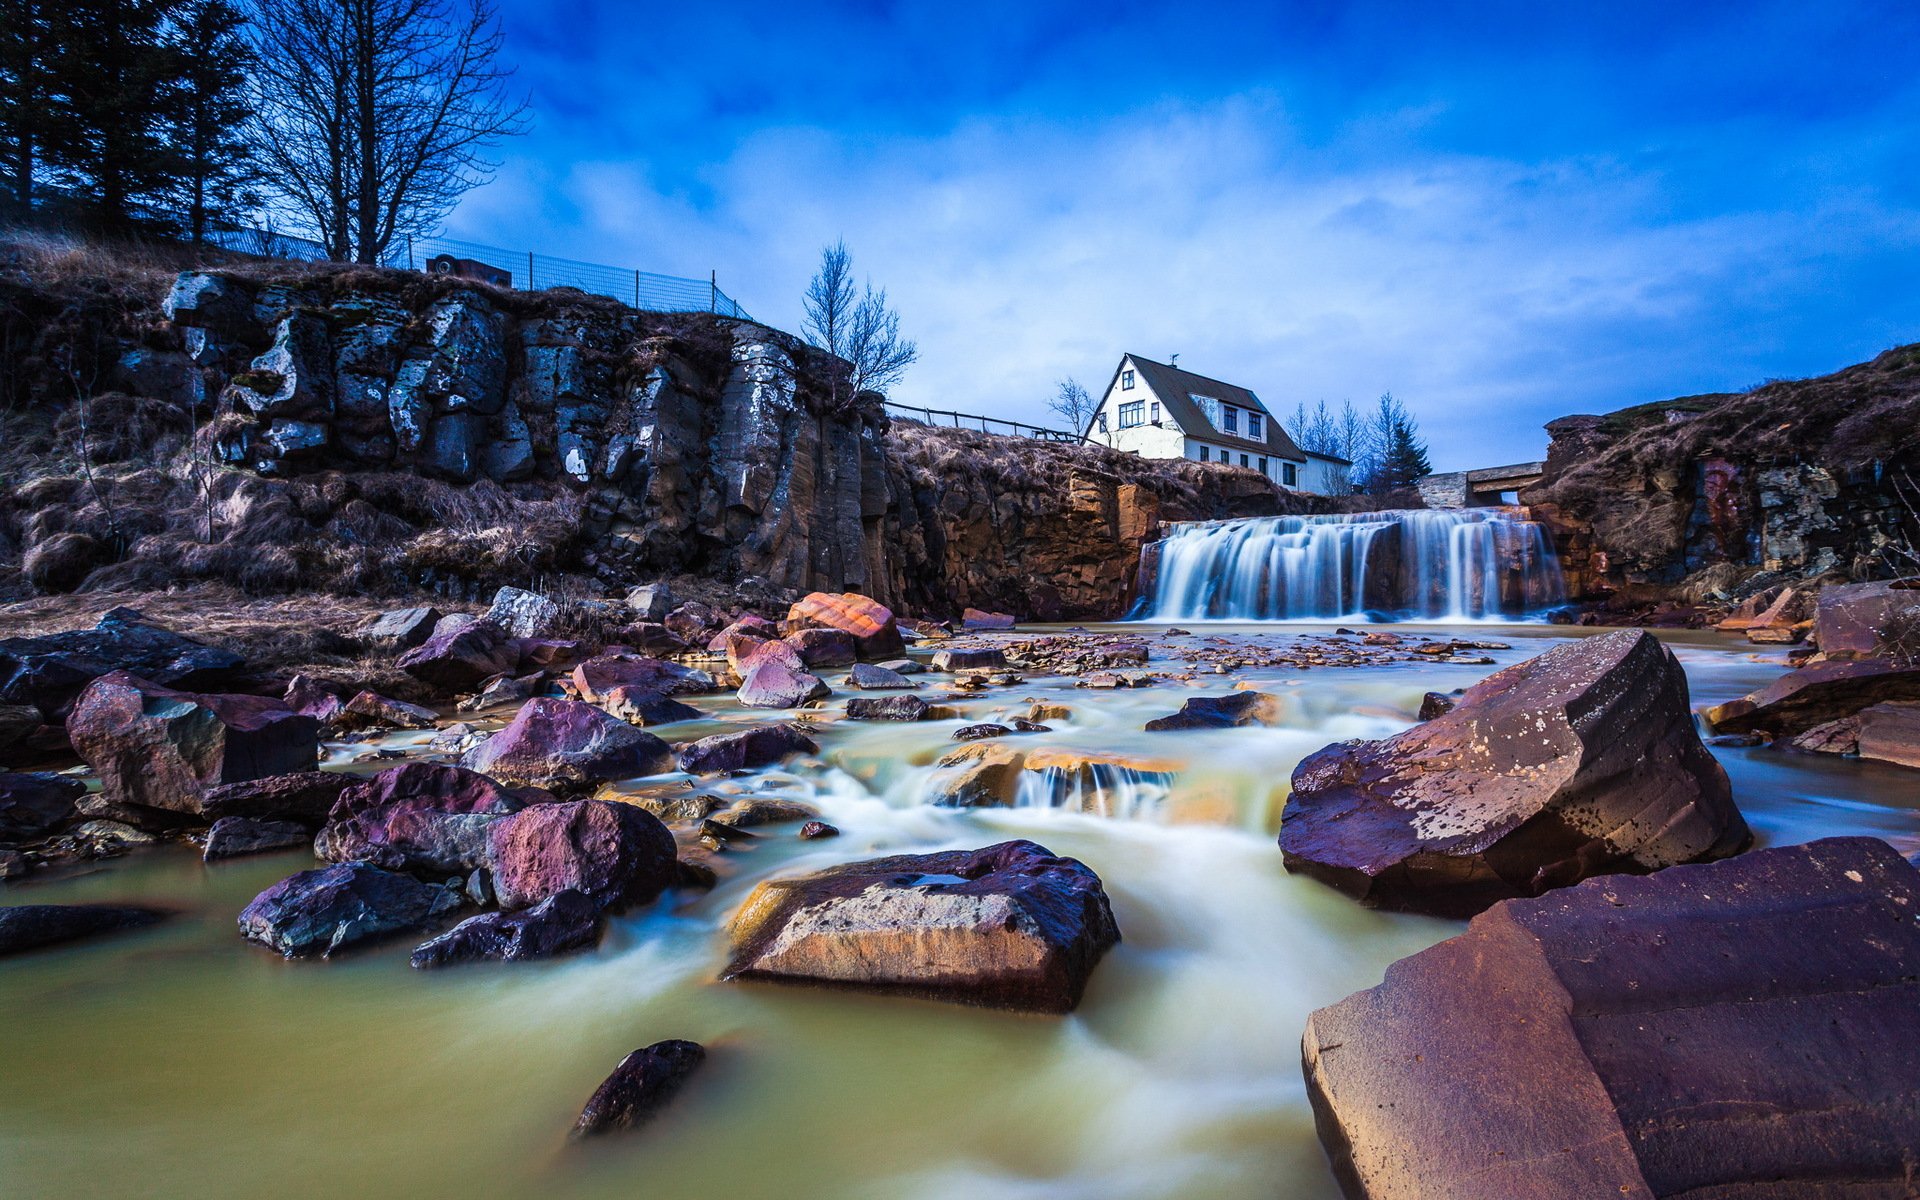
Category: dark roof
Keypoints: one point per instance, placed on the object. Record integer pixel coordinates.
(1176, 388)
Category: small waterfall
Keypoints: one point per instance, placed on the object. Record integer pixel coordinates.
(1470, 564)
(1104, 789)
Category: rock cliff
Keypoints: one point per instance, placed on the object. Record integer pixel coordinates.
(290, 428)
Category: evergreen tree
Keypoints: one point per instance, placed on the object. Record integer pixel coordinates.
(1397, 457)
(114, 75)
(208, 115)
(28, 112)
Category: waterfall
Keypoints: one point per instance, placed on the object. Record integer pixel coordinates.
(1470, 564)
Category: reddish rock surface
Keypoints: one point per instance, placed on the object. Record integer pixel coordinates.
(824, 647)
(1748, 1029)
(774, 684)
(1853, 620)
(303, 796)
(1816, 694)
(870, 622)
(423, 818)
(154, 747)
(1010, 926)
(759, 747)
(641, 706)
(598, 677)
(1582, 761)
(461, 656)
(614, 854)
(568, 745)
(1891, 733)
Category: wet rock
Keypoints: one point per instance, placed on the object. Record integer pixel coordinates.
(615, 854)
(984, 729)
(568, 745)
(1582, 761)
(563, 922)
(1834, 737)
(1891, 733)
(49, 672)
(982, 775)
(1010, 926)
(370, 710)
(975, 658)
(1223, 712)
(597, 677)
(1815, 695)
(823, 647)
(903, 666)
(774, 684)
(869, 677)
(232, 837)
(303, 796)
(157, 748)
(459, 656)
(1775, 635)
(761, 746)
(402, 629)
(324, 909)
(639, 1087)
(641, 706)
(765, 810)
(424, 818)
(1746, 1028)
(871, 623)
(887, 708)
(1438, 704)
(34, 804)
(500, 691)
(814, 830)
(1855, 620)
(1039, 711)
(30, 926)
(973, 618)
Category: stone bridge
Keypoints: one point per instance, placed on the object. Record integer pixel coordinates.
(1480, 488)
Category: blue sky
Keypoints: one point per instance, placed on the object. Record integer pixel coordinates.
(1503, 213)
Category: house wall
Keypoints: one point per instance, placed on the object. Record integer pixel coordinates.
(1324, 476)
(1148, 440)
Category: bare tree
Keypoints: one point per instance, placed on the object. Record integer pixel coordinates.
(1072, 404)
(858, 327)
(375, 116)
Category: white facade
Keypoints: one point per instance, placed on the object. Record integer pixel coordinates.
(1325, 475)
(1158, 411)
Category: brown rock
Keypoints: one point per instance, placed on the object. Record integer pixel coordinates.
(1854, 620)
(1816, 694)
(1891, 733)
(870, 622)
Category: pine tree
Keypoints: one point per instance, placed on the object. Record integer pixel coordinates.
(208, 115)
(1397, 457)
(114, 73)
(28, 114)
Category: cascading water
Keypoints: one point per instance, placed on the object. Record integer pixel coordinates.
(1471, 564)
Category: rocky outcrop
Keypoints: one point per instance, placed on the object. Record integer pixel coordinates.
(1579, 762)
(639, 1087)
(1748, 1028)
(324, 909)
(49, 672)
(1009, 926)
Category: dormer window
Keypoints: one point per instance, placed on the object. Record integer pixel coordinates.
(1232, 424)
(1253, 426)
(1126, 381)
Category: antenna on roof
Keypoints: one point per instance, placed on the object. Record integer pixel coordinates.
(1173, 360)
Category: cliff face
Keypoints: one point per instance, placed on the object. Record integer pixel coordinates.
(291, 428)
(1710, 496)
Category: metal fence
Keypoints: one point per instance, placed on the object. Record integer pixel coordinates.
(959, 420)
(530, 271)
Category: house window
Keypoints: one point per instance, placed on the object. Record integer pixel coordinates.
(1126, 381)
(1253, 426)
(1203, 454)
(1289, 474)
(1244, 462)
(1263, 466)
(1153, 412)
(1130, 413)
(1232, 421)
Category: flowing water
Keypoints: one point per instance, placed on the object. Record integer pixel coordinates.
(181, 1061)
(1407, 564)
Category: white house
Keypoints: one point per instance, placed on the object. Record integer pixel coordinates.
(1159, 411)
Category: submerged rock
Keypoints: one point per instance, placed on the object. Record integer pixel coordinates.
(758, 747)
(562, 922)
(1747, 1028)
(568, 745)
(614, 854)
(639, 1087)
(324, 909)
(1582, 761)
(157, 748)
(30, 926)
(232, 837)
(1010, 926)
(34, 803)
(1223, 712)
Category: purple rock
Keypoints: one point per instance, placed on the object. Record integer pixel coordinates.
(568, 745)
(758, 747)
(562, 922)
(615, 854)
(773, 684)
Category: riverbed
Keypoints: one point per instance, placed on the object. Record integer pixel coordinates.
(184, 1061)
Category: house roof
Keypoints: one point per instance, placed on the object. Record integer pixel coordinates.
(1176, 388)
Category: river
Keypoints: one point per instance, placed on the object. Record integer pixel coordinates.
(184, 1061)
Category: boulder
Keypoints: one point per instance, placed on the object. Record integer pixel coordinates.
(232, 837)
(402, 629)
(976, 658)
(764, 810)
(31, 926)
(501, 691)
(760, 746)
(596, 677)
(34, 804)
(1010, 926)
(869, 677)
(459, 656)
(903, 666)
(157, 748)
(370, 710)
(650, 601)
(18, 722)
(1749, 1028)
(754, 629)
(693, 621)
(562, 922)
(1854, 620)
(1834, 737)
(568, 745)
(982, 729)
(329, 907)
(871, 623)
(1223, 712)
(642, 706)
(773, 684)
(311, 698)
(648, 637)
(614, 854)
(815, 830)
(1582, 761)
(887, 708)
(1437, 704)
(525, 614)
(1816, 694)
(974, 618)
(424, 818)
(823, 647)
(639, 1087)
(1891, 733)
(303, 796)
(48, 672)
(744, 654)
